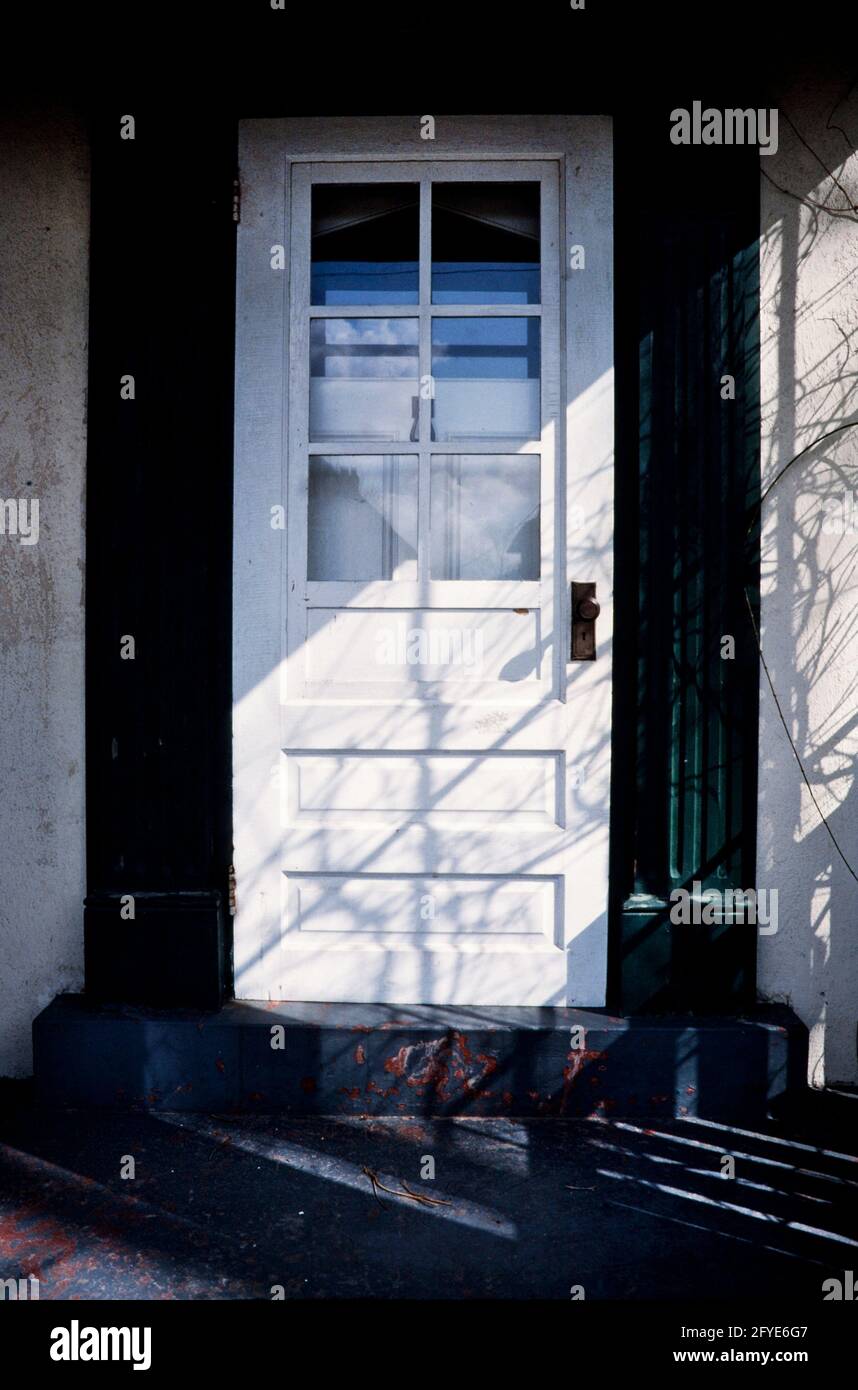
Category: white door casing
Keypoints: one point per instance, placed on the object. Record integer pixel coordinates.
(414, 824)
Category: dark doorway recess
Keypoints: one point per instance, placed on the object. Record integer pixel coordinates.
(686, 712)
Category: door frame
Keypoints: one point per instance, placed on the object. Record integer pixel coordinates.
(582, 146)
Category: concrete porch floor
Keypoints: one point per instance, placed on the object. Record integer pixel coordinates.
(225, 1207)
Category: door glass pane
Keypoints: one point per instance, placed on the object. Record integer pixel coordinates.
(362, 517)
(485, 243)
(486, 376)
(363, 379)
(365, 243)
(484, 516)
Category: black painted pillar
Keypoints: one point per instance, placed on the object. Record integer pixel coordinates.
(158, 580)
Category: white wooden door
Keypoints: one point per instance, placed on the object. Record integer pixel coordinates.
(440, 790)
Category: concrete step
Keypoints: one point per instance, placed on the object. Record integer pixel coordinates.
(332, 1059)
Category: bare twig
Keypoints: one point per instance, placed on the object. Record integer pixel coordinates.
(404, 1191)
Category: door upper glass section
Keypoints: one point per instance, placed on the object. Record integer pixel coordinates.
(425, 380)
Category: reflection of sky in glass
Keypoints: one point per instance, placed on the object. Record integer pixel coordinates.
(363, 378)
(363, 348)
(364, 282)
(496, 348)
(484, 282)
(362, 517)
(485, 516)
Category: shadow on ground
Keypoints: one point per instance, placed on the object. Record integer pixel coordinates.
(226, 1207)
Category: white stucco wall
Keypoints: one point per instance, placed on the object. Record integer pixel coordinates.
(44, 235)
(809, 333)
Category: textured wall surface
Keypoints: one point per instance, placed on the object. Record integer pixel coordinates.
(44, 234)
(809, 292)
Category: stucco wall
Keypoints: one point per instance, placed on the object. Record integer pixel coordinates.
(809, 291)
(44, 233)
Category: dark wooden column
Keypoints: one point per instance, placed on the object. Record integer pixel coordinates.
(159, 509)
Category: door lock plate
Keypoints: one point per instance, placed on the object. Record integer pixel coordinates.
(585, 611)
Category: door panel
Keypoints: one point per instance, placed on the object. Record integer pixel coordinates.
(441, 770)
